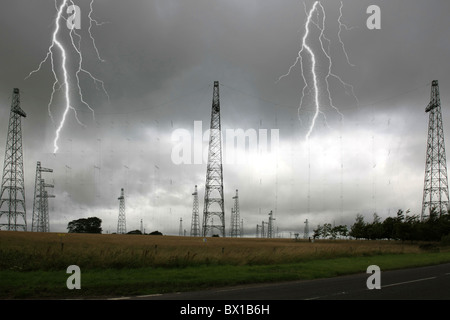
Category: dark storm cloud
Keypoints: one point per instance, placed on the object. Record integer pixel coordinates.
(161, 58)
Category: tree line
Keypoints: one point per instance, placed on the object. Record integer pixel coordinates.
(94, 225)
(327, 231)
(403, 227)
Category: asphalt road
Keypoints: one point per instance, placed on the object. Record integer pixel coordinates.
(424, 283)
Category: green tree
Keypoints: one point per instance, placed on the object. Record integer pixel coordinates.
(358, 229)
(317, 232)
(83, 225)
(375, 229)
(409, 228)
(388, 226)
(339, 231)
(326, 230)
(134, 232)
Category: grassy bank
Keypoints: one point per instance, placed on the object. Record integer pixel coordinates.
(33, 265)
(140, 281)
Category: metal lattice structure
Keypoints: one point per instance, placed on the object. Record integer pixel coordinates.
(195, 223)
(12, 196)
(435, 191)
(180, 230)
(214, 201)
(45, 209)
(121, 224)
(40, 221)
(263, 230)
(270, 225)
(306, 230)
(235, 218)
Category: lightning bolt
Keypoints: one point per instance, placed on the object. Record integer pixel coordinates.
(339, 34)
(320, 11)
(58, 83)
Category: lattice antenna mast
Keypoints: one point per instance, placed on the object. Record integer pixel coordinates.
(232, 222)
(44, 222)
(306, 230)
(270, 225)
(214, 201)
(195, 223)
(40, 218)
(12, 196)
(263, 231)
(435, 192)
(121, 224)
(235, 218)
(180, 231)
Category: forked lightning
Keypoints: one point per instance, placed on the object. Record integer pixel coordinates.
(320, 11)
(65, 82)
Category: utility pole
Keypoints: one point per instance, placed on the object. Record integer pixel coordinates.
(214, 201)
(12, 195)
(435, 191)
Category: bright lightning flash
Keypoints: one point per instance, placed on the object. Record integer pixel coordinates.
(58, 84)
(320, 11)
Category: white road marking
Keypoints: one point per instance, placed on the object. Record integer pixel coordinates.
(383, 286)
(406, 282)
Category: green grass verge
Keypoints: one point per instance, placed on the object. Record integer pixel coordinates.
(118, 282)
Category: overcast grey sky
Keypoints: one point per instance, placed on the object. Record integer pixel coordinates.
(161, 59)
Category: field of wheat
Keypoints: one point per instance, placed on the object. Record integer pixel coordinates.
(26, 251)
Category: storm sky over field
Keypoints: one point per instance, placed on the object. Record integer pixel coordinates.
(161, 59)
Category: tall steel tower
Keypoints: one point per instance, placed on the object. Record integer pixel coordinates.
(214, 203)
(270, 225)
(235, 218)
(44, 222)
(121, 224)
(40, 219)
(180, 230)
(195, 223)
(263, 230)
(435, 191)
(306, 230)
(12, 196)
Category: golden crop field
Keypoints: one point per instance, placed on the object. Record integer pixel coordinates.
(50, 251)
